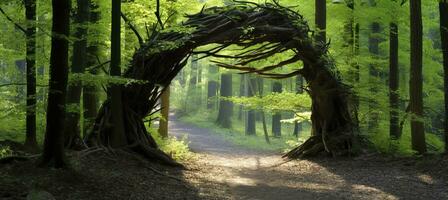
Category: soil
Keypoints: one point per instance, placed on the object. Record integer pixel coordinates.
(222, 170)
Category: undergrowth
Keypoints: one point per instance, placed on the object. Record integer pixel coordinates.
(5, 151)
(177, 148)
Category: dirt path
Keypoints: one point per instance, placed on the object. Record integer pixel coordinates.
(239, 173)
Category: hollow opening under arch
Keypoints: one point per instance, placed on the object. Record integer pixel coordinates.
(260, 31)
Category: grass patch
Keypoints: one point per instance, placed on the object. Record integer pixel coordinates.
(177, 148)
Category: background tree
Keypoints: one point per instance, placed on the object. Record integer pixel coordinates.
(90, 91)
(225, 106)
(375, 72)
(54, 139)
(251, 83)
(117, 137)
(212, 87)
(79, 59)
(276, 124)
(416, 78)
(443, 10)
(30, 12)
(394, 78)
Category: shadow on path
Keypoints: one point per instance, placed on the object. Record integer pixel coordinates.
(252, 175)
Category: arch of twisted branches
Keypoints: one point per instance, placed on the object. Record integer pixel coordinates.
(260, 31)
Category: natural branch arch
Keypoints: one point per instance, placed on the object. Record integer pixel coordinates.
(261, 31)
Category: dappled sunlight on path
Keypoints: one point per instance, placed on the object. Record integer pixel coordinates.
(251, 174)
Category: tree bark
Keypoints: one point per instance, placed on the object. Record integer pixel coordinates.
(374, 74)
(165, 112)
(72, 131)
(443, 9)
(225, 106)
(394, 79)
(416, 78)
(299, 90)
(89, 93)
(276, 124)
(251, 83)
(212, 87)
(54, 138)
(243, 91)
(30, 12)
(260, 88)
(321, 21)
(117, 138)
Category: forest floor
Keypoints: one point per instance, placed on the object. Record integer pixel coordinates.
(250, 174)
(222, 170)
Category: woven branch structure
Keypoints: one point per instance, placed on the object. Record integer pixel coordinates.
(258, 31)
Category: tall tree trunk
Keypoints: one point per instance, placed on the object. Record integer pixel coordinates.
(72, 131)
(443, 9)
(117, 138)
(225, 106)
(251, 83)
(165, 112)
(192, 84)
(394, 79)
(276, 124)
(54, 137)
(89, 93)
(212, 87)
(243, 91)
(352, 43)
(416, 80)
(321, 21)
(260, 88)
(299, 90)
(30, 12)
(374, 74)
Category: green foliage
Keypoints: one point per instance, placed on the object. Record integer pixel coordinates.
(275, 102)
(5, 151)
(176, 148)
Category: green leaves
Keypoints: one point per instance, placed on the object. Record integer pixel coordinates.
(276, 102)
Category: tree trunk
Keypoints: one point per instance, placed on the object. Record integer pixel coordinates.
(416, 79)
(299, 90)
(165, 112)
(321, 21)
(260, 87)
(212, 88)
(117, 138)
(54, 138)
(89, 93)
(243, 91)
(394, 79)
(225, 107)
(192, 84)
(443, 9)
(72, 133)
(374, 74)
(251, 83)
(30, 12)
(276, 124)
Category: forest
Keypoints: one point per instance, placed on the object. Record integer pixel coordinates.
(223, 99)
